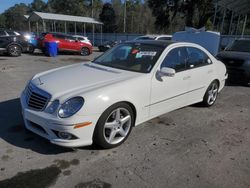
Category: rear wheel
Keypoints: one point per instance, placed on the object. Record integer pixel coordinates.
(14, 50)
(31, 49)
(114, 126)
(211, 94)
(85, 51)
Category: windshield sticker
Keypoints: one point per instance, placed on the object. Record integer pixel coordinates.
(135, 51)
(146, 53)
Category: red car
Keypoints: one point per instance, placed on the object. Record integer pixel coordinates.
(65, 43)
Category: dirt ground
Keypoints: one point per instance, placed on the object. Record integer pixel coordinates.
(190, 147)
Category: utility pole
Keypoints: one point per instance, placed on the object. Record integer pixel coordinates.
(93, 26)
(125, 15)
(92, 8)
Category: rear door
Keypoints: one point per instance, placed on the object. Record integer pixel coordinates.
(60, 39)
(201, 71)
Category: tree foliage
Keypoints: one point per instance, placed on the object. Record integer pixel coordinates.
(194, 13)
(15, 16)
(108, 18)
(38, 5)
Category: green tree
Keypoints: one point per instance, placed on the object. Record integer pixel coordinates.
(2, 20)
(194, 13)
(38, 5)
(15, 17)
(107, 16)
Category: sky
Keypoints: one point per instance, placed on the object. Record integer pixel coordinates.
(5, 4)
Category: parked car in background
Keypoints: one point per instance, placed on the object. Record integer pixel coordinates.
(236, 57)
(107, 45)
(12, 43)
(82, 39)
(154, 37)
(32, 40)
(101, 101)
(7, 32)
(66, 43)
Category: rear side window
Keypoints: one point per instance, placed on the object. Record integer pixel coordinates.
(2, 33)
(176, 59)
(164, 38)
(197, 58)
(69, 37)
(11, 32)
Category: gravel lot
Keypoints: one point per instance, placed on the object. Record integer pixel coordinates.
(190, 147)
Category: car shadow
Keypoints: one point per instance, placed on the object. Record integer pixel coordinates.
(13, 132)
(241, 83)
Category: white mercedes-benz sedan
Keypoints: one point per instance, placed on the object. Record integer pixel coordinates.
(101, 101)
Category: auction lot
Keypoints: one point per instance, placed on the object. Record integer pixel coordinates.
(190, 147)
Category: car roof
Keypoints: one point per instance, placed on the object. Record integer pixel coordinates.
(79, 36)
(154, 36)
(161, 43)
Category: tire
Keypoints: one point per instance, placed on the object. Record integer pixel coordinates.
(31, 49)
(85, 51)
(14, 50)
(114, 126)
(211, 94)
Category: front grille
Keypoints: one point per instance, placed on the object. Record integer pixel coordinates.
(36, 98)
(233, 62)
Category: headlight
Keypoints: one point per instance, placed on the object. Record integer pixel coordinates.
(70, 107)
(52, 108)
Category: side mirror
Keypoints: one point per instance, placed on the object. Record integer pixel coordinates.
(165, 71)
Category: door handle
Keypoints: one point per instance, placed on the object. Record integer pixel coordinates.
(186, 77)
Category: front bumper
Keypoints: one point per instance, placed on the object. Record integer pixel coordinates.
(48, 126)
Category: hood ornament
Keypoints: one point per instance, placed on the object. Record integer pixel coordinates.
(40, 82)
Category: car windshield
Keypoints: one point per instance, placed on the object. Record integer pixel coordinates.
(135, 57)
(240, 46)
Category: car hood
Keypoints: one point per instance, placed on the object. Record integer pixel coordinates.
(79, 78)
(234, 55)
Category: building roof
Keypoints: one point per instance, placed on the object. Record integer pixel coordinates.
(239, 6)
(26, 16)
(35, 16)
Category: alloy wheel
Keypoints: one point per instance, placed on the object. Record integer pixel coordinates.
(117, 126)
(212, 93)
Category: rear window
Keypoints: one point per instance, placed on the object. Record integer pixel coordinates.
(240, 46)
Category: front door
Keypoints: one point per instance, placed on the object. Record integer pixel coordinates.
(170, 93)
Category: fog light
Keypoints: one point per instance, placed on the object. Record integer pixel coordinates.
(65, 136)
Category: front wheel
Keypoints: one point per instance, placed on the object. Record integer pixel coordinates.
(14, 50)
(85, 51)
(211, 94)
(114, 126)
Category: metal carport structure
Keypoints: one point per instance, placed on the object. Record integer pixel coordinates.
(53, 18)
(239, 10)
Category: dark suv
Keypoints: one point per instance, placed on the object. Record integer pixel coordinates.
(236, 57)
(12, 43)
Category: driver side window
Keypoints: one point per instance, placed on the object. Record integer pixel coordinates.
(176, 59)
